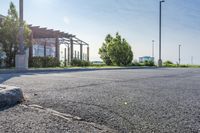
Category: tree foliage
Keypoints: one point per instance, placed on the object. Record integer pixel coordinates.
(103, 51)
(117, 50)
(9, 35)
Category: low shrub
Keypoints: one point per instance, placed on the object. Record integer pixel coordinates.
(184, 65)
(135, 63)
(79, 63)
(2, 58)
(169, 64)
(149, 63)
(98, 65)
(41, 62)
(146, 63)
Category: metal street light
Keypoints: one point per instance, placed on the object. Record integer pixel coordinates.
(160, 19)
(192, 62)
(21, 30)
(153, 48)
(21, 58)
(179, 54)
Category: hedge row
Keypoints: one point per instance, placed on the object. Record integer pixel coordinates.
(79, 63)
(41, 62)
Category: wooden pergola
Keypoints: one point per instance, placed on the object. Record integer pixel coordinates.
(60, 38)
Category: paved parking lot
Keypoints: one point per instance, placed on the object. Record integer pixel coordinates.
(133, 100)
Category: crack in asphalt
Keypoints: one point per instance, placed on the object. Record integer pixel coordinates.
(69, 117)
(82, 86)
(107, 109)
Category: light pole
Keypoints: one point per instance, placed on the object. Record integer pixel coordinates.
(160, 19)
(21, 30)
(21, 59)
(153, 48)
(179, 54)
(192, 58)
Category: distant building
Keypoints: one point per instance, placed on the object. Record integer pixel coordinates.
(146, 58)
(97, 62)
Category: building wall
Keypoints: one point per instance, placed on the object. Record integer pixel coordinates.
(145, 58)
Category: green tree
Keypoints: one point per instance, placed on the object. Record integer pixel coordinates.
(103, 51)
(9, 31)
(120, 51)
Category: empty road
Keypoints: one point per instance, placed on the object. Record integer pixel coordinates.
(132, 100)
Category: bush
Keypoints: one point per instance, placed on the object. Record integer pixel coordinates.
(168, 63)
(149, 63)
(184, 66)
(79, 63)
(41, 62)
(98, 65)
(136, 63)
(2, 58)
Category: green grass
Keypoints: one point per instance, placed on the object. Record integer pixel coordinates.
(182, 66)
(105, 66)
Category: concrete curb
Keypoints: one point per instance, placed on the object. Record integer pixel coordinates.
(10, 96)
(68, 70)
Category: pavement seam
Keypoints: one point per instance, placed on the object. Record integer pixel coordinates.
(69, 117)
(107, 109)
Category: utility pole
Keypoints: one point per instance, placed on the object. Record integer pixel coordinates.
(21, 59)
(153, 48)
(21, 30)
(192, 59)
(160, 39)
(179, 54)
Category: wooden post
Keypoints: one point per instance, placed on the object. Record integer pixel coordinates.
(45, 49)
(88, 54)
(81, 51)
(45, 53)
(57, 54)
(31, 47)
(68, 55)
(72, 48)
(65, 57)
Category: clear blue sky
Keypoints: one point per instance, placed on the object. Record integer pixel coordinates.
(135, 20)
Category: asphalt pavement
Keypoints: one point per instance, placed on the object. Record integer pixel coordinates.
(132, 100)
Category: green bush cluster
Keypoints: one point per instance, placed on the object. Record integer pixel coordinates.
(79, 63)
(98, 65)
(146, 63)
(41, 62)
(149, 63)
(169, 64)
